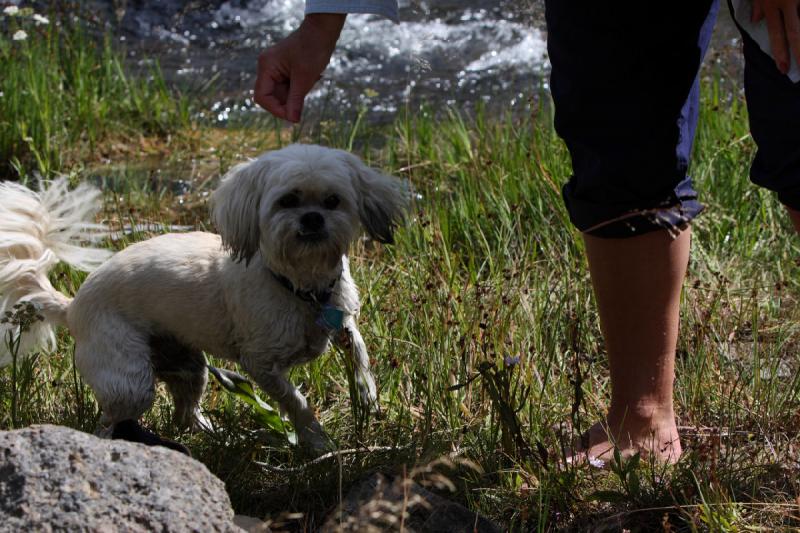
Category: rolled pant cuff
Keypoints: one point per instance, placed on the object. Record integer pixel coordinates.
(674, 219)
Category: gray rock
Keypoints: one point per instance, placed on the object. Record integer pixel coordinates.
(251, 524)
(379, 503)
(57, 479)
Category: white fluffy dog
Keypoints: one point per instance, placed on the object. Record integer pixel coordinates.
(272, 290)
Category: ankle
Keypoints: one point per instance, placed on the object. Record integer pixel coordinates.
(641, 414)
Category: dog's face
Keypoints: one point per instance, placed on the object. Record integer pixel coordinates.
(302, 206)
(308, 214)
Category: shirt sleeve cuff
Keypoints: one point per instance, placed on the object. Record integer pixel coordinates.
(383, 8)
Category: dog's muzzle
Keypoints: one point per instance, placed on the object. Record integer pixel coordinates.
(312, 227)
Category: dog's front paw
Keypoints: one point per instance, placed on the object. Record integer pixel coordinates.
(314, 440)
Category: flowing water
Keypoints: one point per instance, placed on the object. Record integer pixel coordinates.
(445, 52)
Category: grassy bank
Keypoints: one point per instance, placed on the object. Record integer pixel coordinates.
(488, 270)
(65, 96)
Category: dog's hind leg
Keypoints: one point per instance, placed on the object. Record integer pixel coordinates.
(114, 359)
(184, 371)
(187, 390)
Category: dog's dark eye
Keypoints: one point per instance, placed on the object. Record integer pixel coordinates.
(288, 201)
(331, 202)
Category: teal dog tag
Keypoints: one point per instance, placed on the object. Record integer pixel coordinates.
(330, 318)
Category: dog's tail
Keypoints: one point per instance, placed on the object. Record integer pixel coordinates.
(37, 230)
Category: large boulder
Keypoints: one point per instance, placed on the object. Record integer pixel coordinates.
(54, 478)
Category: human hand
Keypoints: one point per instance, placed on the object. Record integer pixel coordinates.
(289, 69)
(783, 25)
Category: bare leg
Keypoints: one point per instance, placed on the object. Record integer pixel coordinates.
(637, 283)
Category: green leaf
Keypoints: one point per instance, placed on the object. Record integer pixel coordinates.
(633, 463)
(633, 483)
(266, 416)
(616, 464)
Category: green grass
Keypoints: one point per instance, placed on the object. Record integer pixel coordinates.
(64, 93)
(489, 267)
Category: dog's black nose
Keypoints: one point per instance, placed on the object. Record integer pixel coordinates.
(312, 221)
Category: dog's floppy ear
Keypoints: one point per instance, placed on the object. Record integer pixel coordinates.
(382, 200)
(234, 208)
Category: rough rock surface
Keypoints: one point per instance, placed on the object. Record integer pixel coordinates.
(251, 524)
(379, 503)
(54, 478)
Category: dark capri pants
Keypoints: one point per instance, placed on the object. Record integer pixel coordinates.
(626, 88)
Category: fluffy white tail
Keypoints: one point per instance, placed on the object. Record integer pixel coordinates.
(37, 230)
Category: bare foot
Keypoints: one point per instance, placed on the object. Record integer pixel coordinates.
(659, 441)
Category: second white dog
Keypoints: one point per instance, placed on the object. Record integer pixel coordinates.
(271, 291)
